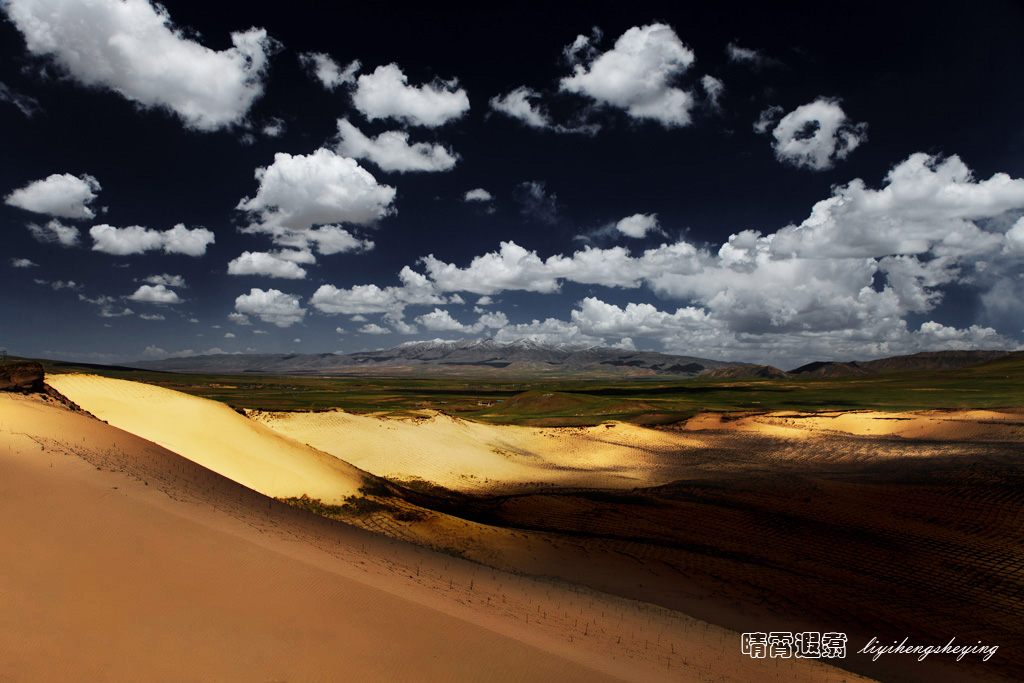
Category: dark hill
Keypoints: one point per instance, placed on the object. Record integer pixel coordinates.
(747, 372)
(927, 360)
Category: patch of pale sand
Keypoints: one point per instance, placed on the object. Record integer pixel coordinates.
(746, 423)
(214, 436)
(464, 455)
(981, 425)
(109, 578)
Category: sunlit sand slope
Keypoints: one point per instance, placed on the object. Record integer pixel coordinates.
(107, 578)
(213, 435)
(464, 455)
(973, 425)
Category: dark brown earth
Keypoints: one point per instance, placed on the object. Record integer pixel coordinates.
(21, 376)
(871, 536)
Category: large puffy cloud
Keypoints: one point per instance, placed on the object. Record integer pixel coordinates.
(927, 203)
(599, 319)
(391, 150)
(839, 284)
(62, 195)
(549, 331)
(843, 280)
(924, 229)
(283, 264)
(816, 135)
(441, 320)
(271, 306)
(327, 71)
(416, 289)
(386, 94)
(132, 48)
(136, 239)
(513, 267)
(698, 332)
(299, 192)
(637, 75)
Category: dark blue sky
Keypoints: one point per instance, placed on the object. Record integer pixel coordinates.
(616, 173)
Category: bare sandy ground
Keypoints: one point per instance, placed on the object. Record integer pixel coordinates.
(468, 456)
(962, 425)
(126, 561)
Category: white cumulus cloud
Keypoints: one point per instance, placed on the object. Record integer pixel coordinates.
(136, 239)
(386, 94)
(63, 195)
(155, 294)
(638, 76)
(166, 279)
(298, 192)
(638, 225)
(416, 289)
(816, 135)
(132, 48)
(391, 151)
(271, 306)
(278, 264)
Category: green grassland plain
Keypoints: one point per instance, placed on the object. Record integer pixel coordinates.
(579, 401)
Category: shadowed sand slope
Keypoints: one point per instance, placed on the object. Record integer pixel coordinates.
(213, 435)
(125, 561)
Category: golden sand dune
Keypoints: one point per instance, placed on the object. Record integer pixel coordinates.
(125, 561)
(974, 425)
(213, 435)
(108, 579)
(464, 455)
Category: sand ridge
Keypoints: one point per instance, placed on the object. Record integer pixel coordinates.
(213, 435)
(975, 425)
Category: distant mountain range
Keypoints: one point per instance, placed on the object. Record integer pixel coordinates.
(928, 360)
(480, 355)
(524, 356)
